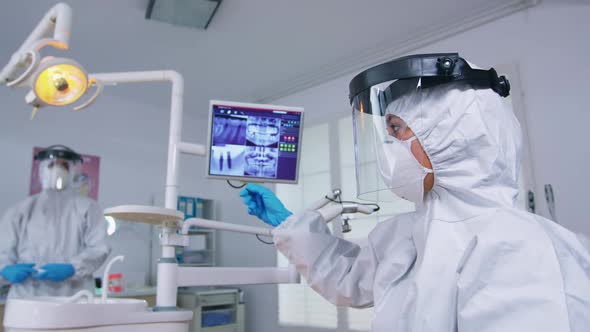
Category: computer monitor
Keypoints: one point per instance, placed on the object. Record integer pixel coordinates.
(254, 142)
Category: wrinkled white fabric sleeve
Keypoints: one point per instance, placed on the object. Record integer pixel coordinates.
(8, 239)
(95, 249)
(512, 286)
(341, 271)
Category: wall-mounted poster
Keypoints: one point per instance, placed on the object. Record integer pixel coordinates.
(86, 182)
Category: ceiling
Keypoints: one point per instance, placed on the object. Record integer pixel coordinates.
(254, 50)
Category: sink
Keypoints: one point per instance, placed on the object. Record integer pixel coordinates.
(47, 313)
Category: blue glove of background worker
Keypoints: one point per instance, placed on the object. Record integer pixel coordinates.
(55, 272)
(17, 273)
(264, 204)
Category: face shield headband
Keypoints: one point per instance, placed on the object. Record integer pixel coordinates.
(59, 152)
(429, 70)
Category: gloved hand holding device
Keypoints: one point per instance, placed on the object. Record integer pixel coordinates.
(264, 204)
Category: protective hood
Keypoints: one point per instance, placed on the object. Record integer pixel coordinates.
(474, 144)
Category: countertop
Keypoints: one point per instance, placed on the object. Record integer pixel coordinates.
(131, 292)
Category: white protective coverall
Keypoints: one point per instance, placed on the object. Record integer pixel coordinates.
(468, 259)
(54, 227)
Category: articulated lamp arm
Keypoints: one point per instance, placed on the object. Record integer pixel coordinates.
(52, 30)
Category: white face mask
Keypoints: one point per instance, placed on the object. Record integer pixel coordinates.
(55, 178)
(400, 170)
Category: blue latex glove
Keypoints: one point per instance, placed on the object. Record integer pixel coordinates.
(17, 273)
(264, 204)
(55, 272)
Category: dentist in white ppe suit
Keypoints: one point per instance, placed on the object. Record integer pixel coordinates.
(52, 242)
(433, 130)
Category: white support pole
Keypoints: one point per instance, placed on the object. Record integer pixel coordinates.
(167, 265)
(226, 276)
(176, 110)
(224, 226)
(167, 288)
(174, 138)
(193, 149)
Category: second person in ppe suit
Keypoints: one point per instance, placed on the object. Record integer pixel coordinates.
(52, 242)
(433, 130)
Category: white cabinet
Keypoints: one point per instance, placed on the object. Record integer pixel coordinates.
(215, 310)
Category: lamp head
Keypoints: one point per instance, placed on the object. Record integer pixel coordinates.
(58, 82)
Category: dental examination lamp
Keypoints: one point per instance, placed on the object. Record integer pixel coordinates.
(62, 82)
(53, 81)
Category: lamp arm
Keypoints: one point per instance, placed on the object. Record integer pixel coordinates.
(175, 144)
(58, 20)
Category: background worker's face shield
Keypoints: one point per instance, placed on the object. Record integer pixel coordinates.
(383, 140)
(58, 167)
(57, 174)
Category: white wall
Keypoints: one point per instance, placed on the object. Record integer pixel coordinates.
(550, 44)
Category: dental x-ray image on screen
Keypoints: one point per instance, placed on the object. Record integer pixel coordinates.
(229, 130)
(228, 159)
(254, 142)
(261, 161)
(263, 131)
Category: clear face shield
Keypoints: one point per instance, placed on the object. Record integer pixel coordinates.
(387, 100)
(388, 156)
(58, 167)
